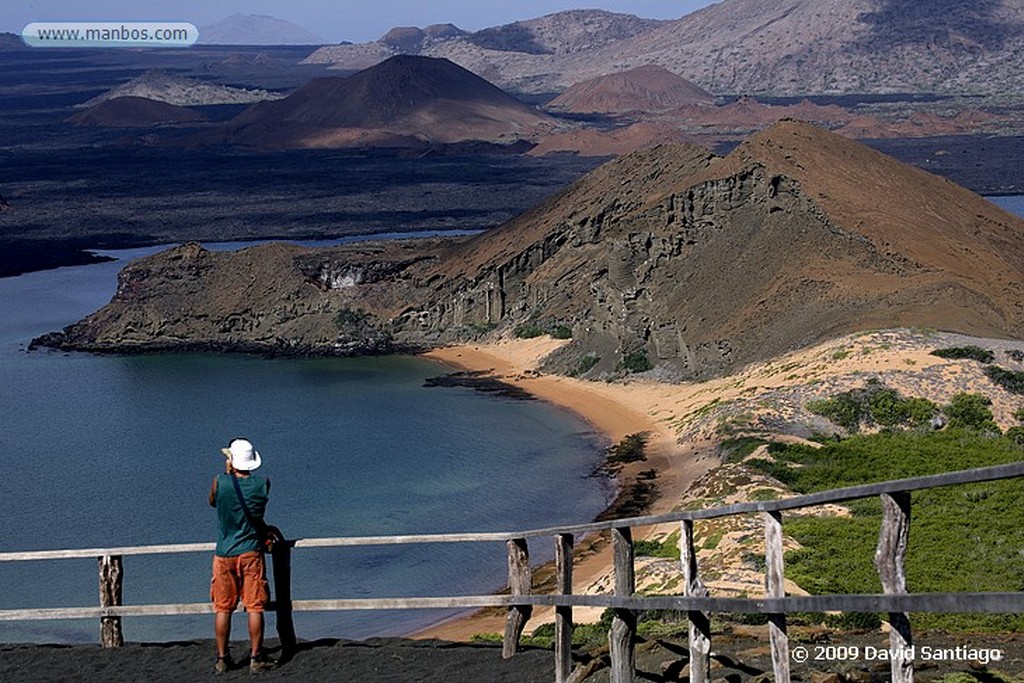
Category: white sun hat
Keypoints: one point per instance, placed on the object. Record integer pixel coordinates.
(243, 456)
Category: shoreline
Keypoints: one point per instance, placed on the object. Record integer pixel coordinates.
(613, 411)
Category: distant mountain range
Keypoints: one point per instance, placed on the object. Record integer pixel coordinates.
(256, 29)
(742, 47)
(699, 263)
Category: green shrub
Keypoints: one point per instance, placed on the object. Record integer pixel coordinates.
(528, 331)
(970, 411)
(585, 365)
(643, 548)
(635, 361)
(846, 410)
(632, 448)
(920, 411)
(735, 450)
(966, 353)
(1019, 414)
(1015, 435)
(887, 408)
(1010, 380)
(777, 470)
(561, 332)
(764, 494)
(1016, 354)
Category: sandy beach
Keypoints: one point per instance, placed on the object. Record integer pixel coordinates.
(687, 421)
(615, 411)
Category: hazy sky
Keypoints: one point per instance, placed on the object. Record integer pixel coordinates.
(334, 20)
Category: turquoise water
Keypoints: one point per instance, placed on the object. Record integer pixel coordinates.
(109, 450)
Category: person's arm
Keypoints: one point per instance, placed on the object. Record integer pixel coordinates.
(213, 493)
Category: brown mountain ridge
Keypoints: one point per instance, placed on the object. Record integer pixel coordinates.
(701, 263)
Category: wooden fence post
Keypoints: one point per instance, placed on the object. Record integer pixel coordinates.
(111, 580)
(775, 587)
(520, 580)
(700, 623)
(281, 559)
(621, 638)
(563, 614)
(889, 559)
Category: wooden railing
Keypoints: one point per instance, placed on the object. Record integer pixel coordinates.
(695, 601)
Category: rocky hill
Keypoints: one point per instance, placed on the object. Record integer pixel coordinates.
(672, 257)
(403, 98)
(133, 112)
(256, 29)
(182, 91)
(647, 88)
(759, 47)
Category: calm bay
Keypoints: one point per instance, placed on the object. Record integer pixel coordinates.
(120, 450)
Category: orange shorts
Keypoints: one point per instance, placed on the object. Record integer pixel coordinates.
(243, 577)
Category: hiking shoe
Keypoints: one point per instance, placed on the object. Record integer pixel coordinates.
(222, 665)
(261, 663)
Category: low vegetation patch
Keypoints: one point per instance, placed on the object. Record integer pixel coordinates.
(585, 365)
(874, 404)
(635, 361)
(632, 448)
(1010, 380)
(965, 353)
(534, 329)
(963, 538)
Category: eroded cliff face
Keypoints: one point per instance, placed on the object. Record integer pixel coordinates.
(696, 263)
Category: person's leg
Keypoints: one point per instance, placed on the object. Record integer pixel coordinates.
(224, 592)
(255, 633)
(222, 632)
(255, 594)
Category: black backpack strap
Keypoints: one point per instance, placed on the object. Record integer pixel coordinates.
(259, 525)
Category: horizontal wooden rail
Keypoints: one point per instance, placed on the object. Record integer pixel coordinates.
(695, 603)
(973, 603)
(977, 475)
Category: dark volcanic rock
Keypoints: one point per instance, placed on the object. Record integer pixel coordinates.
(134, 112)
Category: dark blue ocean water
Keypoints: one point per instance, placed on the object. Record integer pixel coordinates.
(107, 450)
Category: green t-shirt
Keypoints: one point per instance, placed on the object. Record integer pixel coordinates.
(234, 533)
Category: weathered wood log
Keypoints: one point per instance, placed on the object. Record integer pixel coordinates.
(889, 560)
(111, 583)
(520, 579)
(775, 587)
(700, 623)
(563, 614)
(622, 637)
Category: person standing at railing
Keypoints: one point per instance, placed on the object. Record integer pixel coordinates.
(239, 570)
